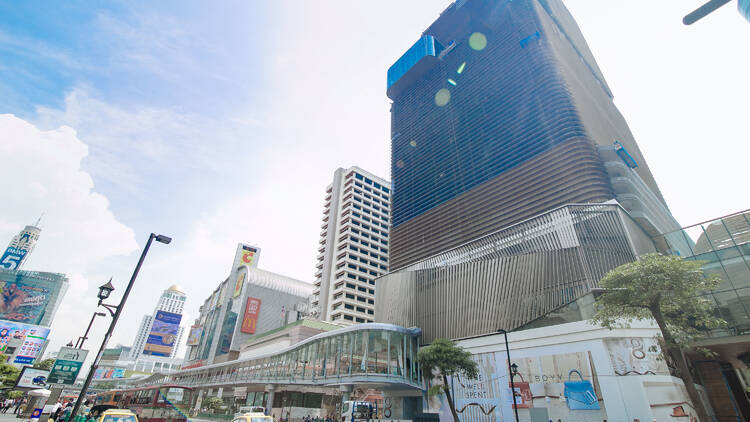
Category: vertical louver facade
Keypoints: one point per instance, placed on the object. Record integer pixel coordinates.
(499, 113)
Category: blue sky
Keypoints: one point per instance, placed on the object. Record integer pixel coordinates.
(223, 122)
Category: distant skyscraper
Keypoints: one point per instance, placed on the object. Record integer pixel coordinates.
(353, 246)
(20, 248)
(160, 333)
(501, 113)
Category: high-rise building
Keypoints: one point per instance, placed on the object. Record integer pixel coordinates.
(353, 246)
(160, 333)
(501, 113)
(20, 248)
(248, 303)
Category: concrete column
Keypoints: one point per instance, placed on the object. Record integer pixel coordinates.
(271, 388)
(346, 392)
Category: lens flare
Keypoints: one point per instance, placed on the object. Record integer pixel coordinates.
(442, 97)
(452, 82)
(461, 68)
(477, 41)
(413, 144)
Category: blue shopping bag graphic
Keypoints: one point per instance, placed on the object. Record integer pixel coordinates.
(580, 395)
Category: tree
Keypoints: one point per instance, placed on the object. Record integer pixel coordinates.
(45, 364)
(8, 373)
(443, 358)
(666, 289)
(213, 403)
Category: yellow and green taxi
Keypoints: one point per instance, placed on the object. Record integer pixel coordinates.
(250, 417)
(117, 415)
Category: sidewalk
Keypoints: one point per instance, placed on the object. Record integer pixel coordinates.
(10, 417)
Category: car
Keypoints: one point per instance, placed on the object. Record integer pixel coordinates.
(39, 380)
(250, 409)
(117, 415)
(253, 417)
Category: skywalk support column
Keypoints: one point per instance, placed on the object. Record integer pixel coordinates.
(346, 392)
(270, 388)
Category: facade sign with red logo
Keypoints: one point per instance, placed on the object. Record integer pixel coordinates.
(250, 320)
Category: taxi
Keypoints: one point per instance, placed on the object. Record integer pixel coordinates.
(250, 417)
(117, 415)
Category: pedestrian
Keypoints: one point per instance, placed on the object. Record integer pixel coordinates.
(19, 403)
(56, 410)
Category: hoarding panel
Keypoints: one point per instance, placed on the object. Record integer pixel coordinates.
(238, 285)
(161, 340)
(250, 320)
(28, 338)
(195, 335)
(23, 299)
(32, 378)
(12, 258)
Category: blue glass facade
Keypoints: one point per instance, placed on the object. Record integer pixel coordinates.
(505, 123)
(744, 7)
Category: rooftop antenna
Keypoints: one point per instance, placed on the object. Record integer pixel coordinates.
(39, 220)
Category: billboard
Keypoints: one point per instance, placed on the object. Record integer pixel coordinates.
(109, 373)
(195, 335)
(23, 299)
(26, 340)
(161, 340)
(32, 378)
(250, 320)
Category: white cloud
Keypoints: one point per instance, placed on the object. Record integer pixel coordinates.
(41, 172)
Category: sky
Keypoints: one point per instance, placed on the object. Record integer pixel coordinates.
(224, 122)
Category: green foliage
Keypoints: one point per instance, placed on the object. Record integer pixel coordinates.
(659, 285)
(444, 357)
(45, 364)
(213, 403)
(15, 394)
(8, 373)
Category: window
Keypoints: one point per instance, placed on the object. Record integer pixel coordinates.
(360, 320)
(348, 306)
(348, 317)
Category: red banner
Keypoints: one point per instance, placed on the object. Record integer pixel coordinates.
(250, 320)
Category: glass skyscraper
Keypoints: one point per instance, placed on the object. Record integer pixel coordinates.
(501, 113)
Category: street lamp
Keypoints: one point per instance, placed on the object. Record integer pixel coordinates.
(81, 340)
(702, 11)
(115, 311)
(512, 371)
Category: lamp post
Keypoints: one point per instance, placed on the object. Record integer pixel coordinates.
(512, 370)
(115, 311)
(702, 11)
(81, 340)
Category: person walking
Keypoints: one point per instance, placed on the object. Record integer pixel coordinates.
(19, 403)
(56, 410)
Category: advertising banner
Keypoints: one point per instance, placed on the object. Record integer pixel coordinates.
(12, 258)
(109, 373)
(250, 320)
(67, 365)
(32, 378)
(28, 340)
(23, 299)
(163, 335)
(195, 335)
(240, 281)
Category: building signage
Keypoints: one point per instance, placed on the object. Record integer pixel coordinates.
(161, 340)
(67, 365)
(12, 258)
(23, 299)
(32, 378)
(240, 281)
(250, 320)
(249, 256)
(26, 340)
(195, 335)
